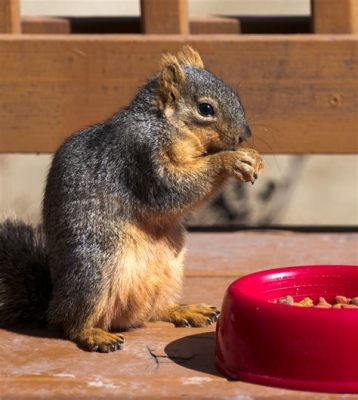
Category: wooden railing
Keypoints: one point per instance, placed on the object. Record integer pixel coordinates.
(300, 92)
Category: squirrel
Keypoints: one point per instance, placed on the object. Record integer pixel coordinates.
(109, 253)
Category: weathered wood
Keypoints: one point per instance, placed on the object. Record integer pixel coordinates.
(200, 25)
(46, 25)
(10, 16)
(159, 361)
(335, 16)
(163, 16)
(234, 254)
(299, 92)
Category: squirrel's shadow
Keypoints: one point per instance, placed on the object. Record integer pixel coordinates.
(196, 352)
(41, 332)
(36, 331)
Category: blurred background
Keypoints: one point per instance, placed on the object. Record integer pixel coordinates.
(307, 190)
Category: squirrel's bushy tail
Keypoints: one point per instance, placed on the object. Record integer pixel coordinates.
(25, 282)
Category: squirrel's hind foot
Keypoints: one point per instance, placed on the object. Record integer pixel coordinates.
(193, 315)
(96, 339)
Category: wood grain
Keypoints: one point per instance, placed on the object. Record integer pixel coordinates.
(165, 16)
(299, 92)
(234, 254)
(218, 25)
(10, 16)
(45, 25)
(335, 16)
(159, 361)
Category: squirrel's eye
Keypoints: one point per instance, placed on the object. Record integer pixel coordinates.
(206, 109)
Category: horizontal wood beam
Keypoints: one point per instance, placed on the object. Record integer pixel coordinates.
(51, 25)
(299, 92)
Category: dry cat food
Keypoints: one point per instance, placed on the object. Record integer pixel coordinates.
(339, 302)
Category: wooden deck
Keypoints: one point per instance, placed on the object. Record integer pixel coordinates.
(299, 92)
(161, 361)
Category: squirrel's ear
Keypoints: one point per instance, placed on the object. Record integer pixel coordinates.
(188, 56)
(170, 80)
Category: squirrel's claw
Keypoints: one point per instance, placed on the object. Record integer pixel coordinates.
(194, 315)
(96, 339)
(186, 323)
(247, 165)
(255, 176)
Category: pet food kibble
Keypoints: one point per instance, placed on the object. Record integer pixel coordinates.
(306, 302)
(342, 300)
(349, 306)
(322, 301)
(297, 304)
(323, 305)
(354, 301)
(339, 302)
(286, 300)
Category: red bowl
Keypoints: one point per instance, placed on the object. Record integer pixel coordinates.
(293, 347)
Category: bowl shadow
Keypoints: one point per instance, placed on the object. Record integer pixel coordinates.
(196, 352)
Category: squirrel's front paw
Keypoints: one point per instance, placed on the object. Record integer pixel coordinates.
(247, 165)
(96, 339)
(193, 315)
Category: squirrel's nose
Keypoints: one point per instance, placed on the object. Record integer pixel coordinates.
(246, 134)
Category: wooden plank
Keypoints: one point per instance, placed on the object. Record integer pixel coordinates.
(299, 92)
(10, 16)
(45, 25)
(158, 361)
(234, 254)
(200, 25)
(332, 16)
(163, 16)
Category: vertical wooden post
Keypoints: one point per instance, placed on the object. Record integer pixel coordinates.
(10, 16)
(335, 16)
(165, 16)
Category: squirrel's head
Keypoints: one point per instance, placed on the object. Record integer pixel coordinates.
(193, 98)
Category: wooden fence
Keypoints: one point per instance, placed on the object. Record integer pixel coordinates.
(300, 92)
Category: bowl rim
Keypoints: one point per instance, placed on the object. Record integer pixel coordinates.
(259, 302)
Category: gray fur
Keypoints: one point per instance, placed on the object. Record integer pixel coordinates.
(99, 179)
(25, 284)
